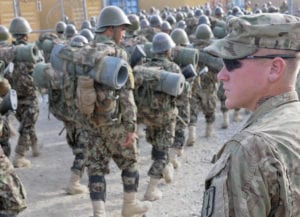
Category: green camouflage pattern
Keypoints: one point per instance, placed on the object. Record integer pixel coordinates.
(158, 112)
(28, 110)
(246, 34)
(256, 173)
(12, 192)
(204, 91)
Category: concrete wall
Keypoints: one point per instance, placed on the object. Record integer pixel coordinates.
(159, 4)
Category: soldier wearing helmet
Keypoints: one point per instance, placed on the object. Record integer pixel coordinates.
(60, 29)
(155, 26)
(28, 109)
(166, 27)
(158, 106)
(181, 40)
(191, 24)
(132, 37)
(204, 91)
(70, 31)
(114, 132)
(4, 35)
(88, 34)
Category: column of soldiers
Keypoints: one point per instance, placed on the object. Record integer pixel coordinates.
(109, 130)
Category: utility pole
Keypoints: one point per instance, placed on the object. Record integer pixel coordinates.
(62, 11)
(16, 8)
(85, 16)
(290, 6)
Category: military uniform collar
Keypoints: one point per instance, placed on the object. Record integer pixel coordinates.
(270, 104)
(100, 38)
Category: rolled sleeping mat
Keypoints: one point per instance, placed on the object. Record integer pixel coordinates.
(9, 102)
(27, 53)
(61, 64)
(111, 71)
(40, 77)
(171, 83)
(137, 55)
(214, 63)
(189, 71)
(184, 56)
(167, 82)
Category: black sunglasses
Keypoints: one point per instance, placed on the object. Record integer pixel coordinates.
(231, 65)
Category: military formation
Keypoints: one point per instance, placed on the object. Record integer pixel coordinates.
(104, 81)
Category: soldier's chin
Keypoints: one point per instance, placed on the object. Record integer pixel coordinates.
(230, 105)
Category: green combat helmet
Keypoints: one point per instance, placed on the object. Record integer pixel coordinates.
(204, 32)
(88, 34)
(4, 34)
(166, 27)
(203, 19)
(60, 27)
(135, 23)
(19, 26)
(111, 16)
(155, 21)
(180, 37)
(219, 32)
(86, 24)
(161, 43)
(70, 31)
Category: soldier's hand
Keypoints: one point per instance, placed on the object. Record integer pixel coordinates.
(129, 140)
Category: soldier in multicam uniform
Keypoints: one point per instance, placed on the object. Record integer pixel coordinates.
(256, 173)
(158, 106)
(28, 109)
(114, 126)
(204, 88)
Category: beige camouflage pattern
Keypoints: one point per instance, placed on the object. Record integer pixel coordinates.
(256, 173)
(249, 33)
(12, 192)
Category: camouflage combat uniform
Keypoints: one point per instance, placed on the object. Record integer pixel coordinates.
(28, 108)
(267, 163)
(204, 91)
(12, 192)
(256, 173)
(158, 106)
(113, 119)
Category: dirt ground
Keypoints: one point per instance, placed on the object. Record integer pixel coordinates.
(49, 174)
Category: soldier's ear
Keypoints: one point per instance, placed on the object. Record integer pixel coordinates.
(277, 69)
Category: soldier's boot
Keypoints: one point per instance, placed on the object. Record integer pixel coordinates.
(192, 136)
(133, 207)
(21, 161)
(173, 154)
(35, 148)
(225, 123)
(168, 173)
(236, 116)
(209, 130)
(98, 208)
(74, 186)
(152, 192)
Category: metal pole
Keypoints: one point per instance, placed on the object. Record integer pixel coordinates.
(290, 6)
(16, 8)
(85, 16)
(62, 11)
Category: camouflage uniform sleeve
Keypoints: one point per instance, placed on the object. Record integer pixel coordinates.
(128, 109)
(243, 180)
